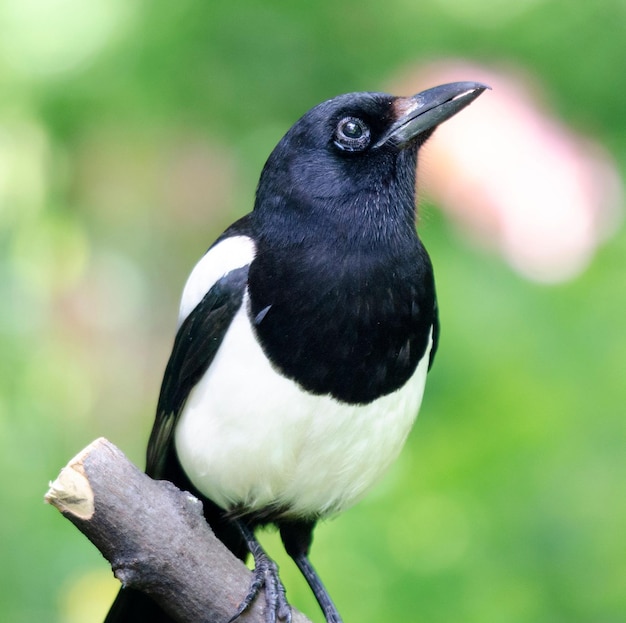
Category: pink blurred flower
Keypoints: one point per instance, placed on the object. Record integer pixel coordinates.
(515, 178)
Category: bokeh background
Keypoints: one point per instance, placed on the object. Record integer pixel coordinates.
(133, 132)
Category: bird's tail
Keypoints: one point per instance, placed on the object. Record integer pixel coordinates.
(132, 606)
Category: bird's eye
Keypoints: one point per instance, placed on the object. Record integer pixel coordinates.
(352, 134)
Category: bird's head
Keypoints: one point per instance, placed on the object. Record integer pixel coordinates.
(358, 150)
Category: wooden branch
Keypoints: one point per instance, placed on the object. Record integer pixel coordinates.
(155, 537)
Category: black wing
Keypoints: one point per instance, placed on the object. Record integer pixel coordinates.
(195, 346)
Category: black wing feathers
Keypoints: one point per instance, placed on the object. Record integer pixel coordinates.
(195, 346)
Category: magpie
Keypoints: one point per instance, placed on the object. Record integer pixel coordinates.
(304, 337)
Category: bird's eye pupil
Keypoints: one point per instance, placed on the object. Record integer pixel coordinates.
(352, 134)
(352, 129)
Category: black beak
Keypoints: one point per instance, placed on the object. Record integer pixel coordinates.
(426, 110)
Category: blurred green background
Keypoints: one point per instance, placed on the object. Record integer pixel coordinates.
(132, 133)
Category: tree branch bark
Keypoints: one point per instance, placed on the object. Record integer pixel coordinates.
(155, 537)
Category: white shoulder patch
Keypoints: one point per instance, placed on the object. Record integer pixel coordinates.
(228, 255)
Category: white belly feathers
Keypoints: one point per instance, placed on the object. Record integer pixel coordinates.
(248, 436)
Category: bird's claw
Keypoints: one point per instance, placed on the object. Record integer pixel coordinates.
(265, 575)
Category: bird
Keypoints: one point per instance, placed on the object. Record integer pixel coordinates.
(305, 335)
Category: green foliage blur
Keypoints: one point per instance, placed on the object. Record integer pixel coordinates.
(132, 133)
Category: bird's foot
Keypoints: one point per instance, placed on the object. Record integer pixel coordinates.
(265, 576)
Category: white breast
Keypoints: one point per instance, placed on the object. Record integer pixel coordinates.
(248, 436)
